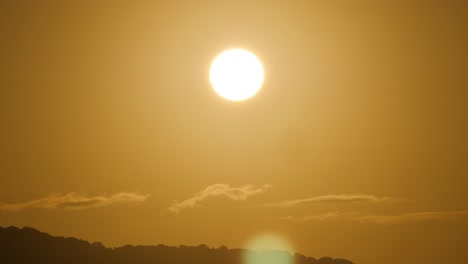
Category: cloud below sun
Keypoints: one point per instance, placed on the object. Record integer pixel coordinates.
(381, 219)
(232, 193)
(74, 201)
(334, 198)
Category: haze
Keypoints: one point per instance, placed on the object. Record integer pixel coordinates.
(355, 147)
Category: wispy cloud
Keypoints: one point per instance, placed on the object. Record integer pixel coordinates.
(76, 201)
(334, 198)
(381, 219)
(235, 194)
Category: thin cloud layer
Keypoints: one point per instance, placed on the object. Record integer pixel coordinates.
(334, 198)
(235, 194)
(381, 219)
(76, 201)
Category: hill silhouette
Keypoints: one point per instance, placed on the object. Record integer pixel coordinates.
(28, 245)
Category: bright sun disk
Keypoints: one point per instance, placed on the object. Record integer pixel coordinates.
(236, 74)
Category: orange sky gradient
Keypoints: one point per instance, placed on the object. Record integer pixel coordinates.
(355, 147)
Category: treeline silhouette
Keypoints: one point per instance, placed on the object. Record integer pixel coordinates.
(28, 245)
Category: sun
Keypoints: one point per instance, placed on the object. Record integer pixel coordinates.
(236, 74)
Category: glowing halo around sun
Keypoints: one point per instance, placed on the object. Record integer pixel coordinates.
(236, 74)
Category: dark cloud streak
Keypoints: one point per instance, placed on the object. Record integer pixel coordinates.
(74, 201)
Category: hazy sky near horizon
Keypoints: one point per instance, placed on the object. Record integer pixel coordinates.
(355, 147)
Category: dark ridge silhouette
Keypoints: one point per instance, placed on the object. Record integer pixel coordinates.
(28, 245)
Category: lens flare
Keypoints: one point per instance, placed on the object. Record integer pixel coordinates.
(268, 249)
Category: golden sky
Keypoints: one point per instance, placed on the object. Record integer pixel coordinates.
(355, 147)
